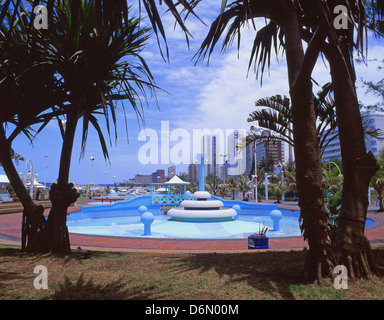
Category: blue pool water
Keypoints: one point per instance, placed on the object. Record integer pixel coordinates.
(123, 219)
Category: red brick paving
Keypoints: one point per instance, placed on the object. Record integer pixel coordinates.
(10, 231)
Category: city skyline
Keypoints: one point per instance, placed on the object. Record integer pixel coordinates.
(220, 95)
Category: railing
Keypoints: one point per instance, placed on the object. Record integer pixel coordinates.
(170, 198)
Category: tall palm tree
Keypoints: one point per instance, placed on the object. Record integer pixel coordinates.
(113, 11)
(292, 22)
(98, 62)
(285, 25)
(29, 94)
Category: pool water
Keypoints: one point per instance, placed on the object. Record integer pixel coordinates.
(123, 219)
(163, 227)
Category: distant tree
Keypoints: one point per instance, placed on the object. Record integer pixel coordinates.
(244, 186)
(223, 191)
(377, 182)
(212, 184)
(232, 185)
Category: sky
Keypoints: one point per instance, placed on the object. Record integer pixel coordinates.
(218, 95)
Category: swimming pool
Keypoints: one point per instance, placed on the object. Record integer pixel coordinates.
(122, 219)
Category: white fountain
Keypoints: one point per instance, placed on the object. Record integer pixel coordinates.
(202, 210)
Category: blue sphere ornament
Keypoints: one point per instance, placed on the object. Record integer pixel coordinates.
(236, 207)
(276, 215)
(142, 209)
(147, 217)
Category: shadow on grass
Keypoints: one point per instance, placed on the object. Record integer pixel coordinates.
(88, 290)
(272, 273)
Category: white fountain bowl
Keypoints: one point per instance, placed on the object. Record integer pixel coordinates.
(202, 204)
(225, 214)
(201, 195)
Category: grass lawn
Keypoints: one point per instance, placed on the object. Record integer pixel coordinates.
(226, 276)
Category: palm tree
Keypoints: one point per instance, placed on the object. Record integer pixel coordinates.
(212, 184)
(333, 177)
(275, 114)
(292, 22)
(29, 91)
(244, 186)
(91, 60)
(285, 26)
(232, 185)
(223, 190)
(277, 189)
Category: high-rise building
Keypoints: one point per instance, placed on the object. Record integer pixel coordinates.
(372, 120)
(193, 171)
(269, 152)
(158, 176)
(143, 179)
(171, 172)
(211, 149)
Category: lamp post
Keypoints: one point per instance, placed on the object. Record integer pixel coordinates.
(224, 162)
(45, 169)
(255, 130)
(92, 159)
(29, 175)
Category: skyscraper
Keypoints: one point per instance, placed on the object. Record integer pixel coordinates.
(193, 171)
(372, 120)
(269, 152)
(211, 149)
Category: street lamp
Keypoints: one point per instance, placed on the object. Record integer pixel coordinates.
(255, 130)
(92, 159)
(45, 169)
(224, 162)
(29, 175)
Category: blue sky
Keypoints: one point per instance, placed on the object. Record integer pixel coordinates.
(220, 95)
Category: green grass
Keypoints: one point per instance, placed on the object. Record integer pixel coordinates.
(226, 276)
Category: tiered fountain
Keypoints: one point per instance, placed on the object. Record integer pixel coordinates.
(201, 209)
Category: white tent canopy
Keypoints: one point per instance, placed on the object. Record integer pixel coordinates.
(3, 179)
(37, 184)
(176, 180)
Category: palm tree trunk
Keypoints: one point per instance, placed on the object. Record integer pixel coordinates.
(352, 247)
(33, 219)
(320, 260)
(62, 194)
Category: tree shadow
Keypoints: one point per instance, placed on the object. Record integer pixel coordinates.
(272, 273)
(81, 289)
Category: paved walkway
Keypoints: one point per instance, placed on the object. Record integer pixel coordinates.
(10, 233)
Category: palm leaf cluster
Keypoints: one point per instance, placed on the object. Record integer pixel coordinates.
(21, 63)
(121, 73)
(275, 115)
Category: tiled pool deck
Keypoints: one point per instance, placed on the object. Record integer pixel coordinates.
(10, 233)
